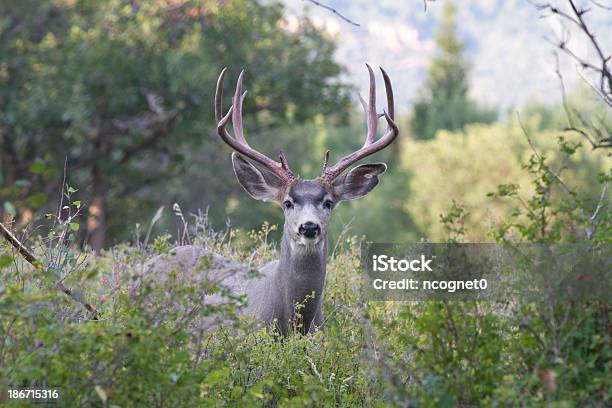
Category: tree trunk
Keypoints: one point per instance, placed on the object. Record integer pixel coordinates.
(96, 214)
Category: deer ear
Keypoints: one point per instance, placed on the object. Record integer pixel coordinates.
(359, 181)
(253, 181)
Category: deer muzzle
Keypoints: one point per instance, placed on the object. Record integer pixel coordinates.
(309, 230)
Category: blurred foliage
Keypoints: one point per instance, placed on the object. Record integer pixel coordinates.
(124, 91)
(467, 165)
(444, 102)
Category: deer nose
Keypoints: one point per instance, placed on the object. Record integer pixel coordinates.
(309, 229)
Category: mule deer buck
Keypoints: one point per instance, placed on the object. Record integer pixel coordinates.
(299, 275)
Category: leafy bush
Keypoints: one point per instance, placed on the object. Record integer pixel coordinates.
(146, 353)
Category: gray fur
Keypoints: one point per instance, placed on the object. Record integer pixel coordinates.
(298, 277)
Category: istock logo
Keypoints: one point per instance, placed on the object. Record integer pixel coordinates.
(384, 263)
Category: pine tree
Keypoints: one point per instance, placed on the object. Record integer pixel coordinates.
(443, 103)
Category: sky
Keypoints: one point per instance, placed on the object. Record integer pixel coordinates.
(512, 62)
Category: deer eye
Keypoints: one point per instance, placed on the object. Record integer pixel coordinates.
(287, 204)
(329, 204)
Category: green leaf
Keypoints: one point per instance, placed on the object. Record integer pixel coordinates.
(38, 167)
(37, 200)
(72, 190)
(5, 260)
(77, 203)
(91, 274)
(74, 226)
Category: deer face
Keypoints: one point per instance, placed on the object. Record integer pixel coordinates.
(307, 203)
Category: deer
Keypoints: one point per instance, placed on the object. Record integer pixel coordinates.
(298, 276)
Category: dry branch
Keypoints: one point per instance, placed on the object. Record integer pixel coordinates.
(333, 10)
(29, 256)
(599, 64)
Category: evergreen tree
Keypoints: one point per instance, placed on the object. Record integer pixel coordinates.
(444, 103)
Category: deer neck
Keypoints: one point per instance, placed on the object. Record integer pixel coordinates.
(301, 271)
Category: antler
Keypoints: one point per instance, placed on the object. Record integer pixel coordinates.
(239, 143)
(370, 146)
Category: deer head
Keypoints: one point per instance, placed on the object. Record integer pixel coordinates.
(307, 204)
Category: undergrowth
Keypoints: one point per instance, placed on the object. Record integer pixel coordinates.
(370, 354)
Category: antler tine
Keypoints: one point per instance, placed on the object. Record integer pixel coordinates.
(389, 92)
(283, 161)
(370, 146)
(237, 101)
(219, 96)
(370, 110)
(326, 161)
(239, 143)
